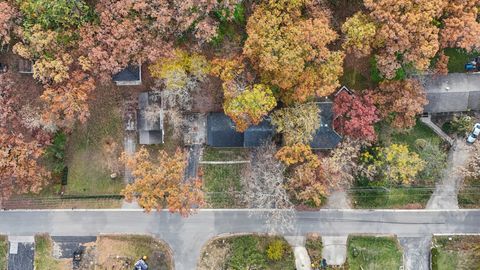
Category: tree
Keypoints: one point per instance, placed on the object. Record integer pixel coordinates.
(441, 66)
(406, 34)
(160, 180)
(250, 106)
(360, 33)
(264, 188)
(400, 101)
(461, 27)
(290, 50)
(393, 165)
(434, 158)
(355, 116)
(66, 103)
(176, 71)
(7, 17)
(297, 153)
(297, 123)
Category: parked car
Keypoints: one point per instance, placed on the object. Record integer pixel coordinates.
(472, 137)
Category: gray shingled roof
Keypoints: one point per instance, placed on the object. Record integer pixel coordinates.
(129, 74)
(149, 131)
(325, 137)
(221, 132)
(455, 92)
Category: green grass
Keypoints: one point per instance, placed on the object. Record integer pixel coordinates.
(3, 252)
(225, 154)
(457, 59)
(407, 197)
(408, 137)
(469, 195)
(244, 250)
(373, 253)
(459, 253)
(354, 80)
(87, 159)
(44, 259)
(222, 183)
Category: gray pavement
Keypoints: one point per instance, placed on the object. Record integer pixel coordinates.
(416, 252)
(186, 236)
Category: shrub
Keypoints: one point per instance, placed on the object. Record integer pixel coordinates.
(462, 124)
(245, 254)
(55, 153)
(276, 250)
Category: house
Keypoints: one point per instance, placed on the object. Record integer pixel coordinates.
(325, 136)
(455, 92)
(149, 119)
(221, 132)
(131, 75)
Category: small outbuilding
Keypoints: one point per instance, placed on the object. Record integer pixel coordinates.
(131, 75)
(149, 119)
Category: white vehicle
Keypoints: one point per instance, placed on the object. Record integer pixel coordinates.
(472, 137)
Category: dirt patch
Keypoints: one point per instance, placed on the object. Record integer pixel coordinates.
(214, 254)
(208, 97)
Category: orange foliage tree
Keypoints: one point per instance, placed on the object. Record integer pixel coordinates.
(290, 50)
(67, 102)
(406, 34)
(461, 27)
(400, 101)
(297, 153)
(7, 17)
(161, 181)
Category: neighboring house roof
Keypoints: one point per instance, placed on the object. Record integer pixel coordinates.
(325, 136)
(455, 92)
(221, 132)
(344, 88)
(131, 75)
(150, 131)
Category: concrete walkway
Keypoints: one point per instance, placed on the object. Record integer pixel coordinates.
(428, 121)
(445, 194)
(416, 252)
(302, 259)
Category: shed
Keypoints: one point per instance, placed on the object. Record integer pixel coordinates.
(150, 129)
(325, 136)
(455, 92)
(131, 75)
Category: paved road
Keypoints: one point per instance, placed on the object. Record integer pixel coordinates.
(187, 236)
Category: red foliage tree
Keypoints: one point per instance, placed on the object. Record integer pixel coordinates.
(7, 15)
(355, 116)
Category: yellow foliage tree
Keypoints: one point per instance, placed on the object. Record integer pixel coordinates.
(249, 107)
(297, 123)
(297, 153)
(359, 33)
(160, 181)
(177, 70)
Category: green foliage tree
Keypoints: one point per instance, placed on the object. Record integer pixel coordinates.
(56, 152)
(359, 33)
(245, 254)
(434, 159)
(276, 250)
(297, 123)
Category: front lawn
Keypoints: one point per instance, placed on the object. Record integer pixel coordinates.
(222, 182)
(93, 148)
(247, 252)
(469, 194)
(3, 252)
(457, 59)
(456, 253)
(116, 251)
(370, 252)
(400, 197)
(44, 259)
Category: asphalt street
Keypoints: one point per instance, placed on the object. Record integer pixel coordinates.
(186, 236)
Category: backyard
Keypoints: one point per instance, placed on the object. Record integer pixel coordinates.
(247, 252)
(364, 195)
(222, 182)
(374, 253)
(457, 59)
(456, 253)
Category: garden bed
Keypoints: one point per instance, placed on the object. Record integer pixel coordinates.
(247, 252)
(456, 253)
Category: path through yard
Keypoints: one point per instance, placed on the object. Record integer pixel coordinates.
(445, 194)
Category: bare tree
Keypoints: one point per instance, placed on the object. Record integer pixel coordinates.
(264, 189)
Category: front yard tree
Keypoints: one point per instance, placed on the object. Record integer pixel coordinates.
(298, 123)
(355, 116)
(400, 101)
(160, 181)
(290, 50)
(406, 34)
(264, 188)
